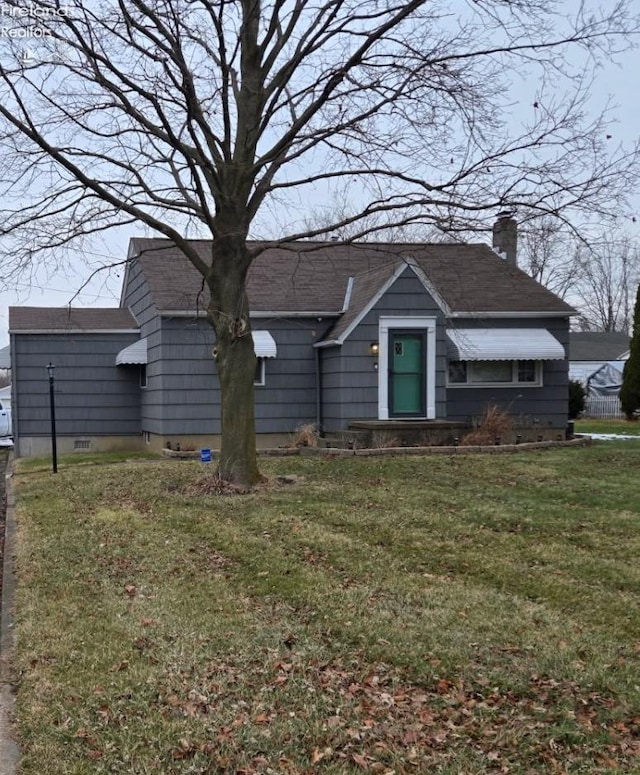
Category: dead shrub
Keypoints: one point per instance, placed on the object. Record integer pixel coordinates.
(494, 423)
(305, 436)
(384, 440)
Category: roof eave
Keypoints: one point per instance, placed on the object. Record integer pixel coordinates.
(70, 330)
(185, 313)
(515, 314)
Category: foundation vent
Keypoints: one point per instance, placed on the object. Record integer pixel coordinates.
(82, 444)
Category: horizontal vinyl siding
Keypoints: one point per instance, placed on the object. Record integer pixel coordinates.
(137, 298)
(183, 389)
(288, 399)
(64, 387)
(359, 393)
(183, 393)
(93, 396)
(332, 377)
(152, 409)
(546, 406)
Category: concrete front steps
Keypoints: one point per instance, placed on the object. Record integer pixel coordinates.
(377, 434)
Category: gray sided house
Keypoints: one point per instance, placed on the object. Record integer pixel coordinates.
(97, 404)
(388, 335)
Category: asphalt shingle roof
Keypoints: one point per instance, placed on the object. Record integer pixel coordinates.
(313, 277)
(70, 319)
(597, 345)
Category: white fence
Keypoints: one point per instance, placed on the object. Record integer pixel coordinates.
(603, 406)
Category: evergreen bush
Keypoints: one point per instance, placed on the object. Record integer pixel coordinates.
(577, 398)
(630, 390)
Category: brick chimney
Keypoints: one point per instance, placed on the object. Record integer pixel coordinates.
(505, 236)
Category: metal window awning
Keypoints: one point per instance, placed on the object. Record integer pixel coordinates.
(135, 354)
(5, 357)
(264, 344)
(503, 344)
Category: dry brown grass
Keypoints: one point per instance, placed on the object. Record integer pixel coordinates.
(493, 424)
(384, 440)
(401, 614)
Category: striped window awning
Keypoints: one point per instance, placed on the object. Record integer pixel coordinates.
(135, 354)
(503, 344)
(264, 344)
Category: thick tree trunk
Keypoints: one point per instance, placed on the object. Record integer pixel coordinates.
(235, 360)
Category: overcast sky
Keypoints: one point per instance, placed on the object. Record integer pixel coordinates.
(619, 81)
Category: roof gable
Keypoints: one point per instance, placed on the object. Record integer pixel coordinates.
(367, 291)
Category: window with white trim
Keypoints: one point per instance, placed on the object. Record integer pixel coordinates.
(495, 373)
(259, 376)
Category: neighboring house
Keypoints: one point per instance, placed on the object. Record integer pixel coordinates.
(5, 399)
(591, 352)
(5, 370)
(5, 396)
(343, 333)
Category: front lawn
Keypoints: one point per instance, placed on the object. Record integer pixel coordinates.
(469, 614)
(623, 427)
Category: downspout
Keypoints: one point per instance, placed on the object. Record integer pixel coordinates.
(345, 307)
(318, 392)
(319, 415)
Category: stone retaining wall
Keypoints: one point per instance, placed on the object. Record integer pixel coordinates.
(580, 441)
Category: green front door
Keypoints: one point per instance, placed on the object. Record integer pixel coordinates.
(407, 374)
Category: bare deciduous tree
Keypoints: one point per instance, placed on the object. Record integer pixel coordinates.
(547, 252)
(608, 274)
(596, 272)
(194, 114)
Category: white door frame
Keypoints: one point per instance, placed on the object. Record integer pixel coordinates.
(385, 324)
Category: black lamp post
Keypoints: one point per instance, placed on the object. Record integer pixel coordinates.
(52, 404)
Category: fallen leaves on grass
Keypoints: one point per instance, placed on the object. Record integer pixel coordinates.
(380, 722)
(212, 484)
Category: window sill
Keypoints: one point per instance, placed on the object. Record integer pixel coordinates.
(493, 385)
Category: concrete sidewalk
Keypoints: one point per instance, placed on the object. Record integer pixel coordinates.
(9, 752)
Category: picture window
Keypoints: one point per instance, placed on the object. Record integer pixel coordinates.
(495, 373)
